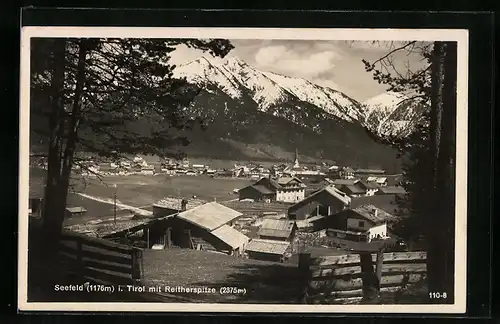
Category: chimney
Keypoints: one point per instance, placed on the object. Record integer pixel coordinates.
(183, 204)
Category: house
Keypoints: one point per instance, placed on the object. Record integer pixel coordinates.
(338, 183)
(381, 181)
(75, 211)
(268, 250)
(169, 206)
(366, 222)
(347, 173)
(148, 169)
(370, 188)
(326, 201)
(391, 190)
(354, 190)
(257, 192)
(277, 229)
(285, 189)
(289, 189)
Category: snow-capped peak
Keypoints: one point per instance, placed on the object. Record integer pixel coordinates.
(388, 101)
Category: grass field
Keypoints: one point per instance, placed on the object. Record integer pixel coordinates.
(139, 190)
(264, 282)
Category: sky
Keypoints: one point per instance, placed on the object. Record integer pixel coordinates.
(336, 64)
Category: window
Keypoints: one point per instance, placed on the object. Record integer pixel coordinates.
(361, 224)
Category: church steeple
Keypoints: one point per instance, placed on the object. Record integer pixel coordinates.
(296, 162)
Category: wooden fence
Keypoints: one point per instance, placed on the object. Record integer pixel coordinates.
(101, 261)
(364, 275)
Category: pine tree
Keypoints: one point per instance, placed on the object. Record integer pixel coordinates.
(429, 154)
(108, 97)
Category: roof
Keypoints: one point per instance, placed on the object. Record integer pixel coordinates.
(370, 171)
(368, 212)
(230, 236)
(355, 189)
(175, 203)
(348, 182)
(76, 209)
(267, 246)
(262, 189)
(381, 180)
(347, 169)
(209, 216)
(286, 180)
(314, 218)
(332, 191)
(337, 194)
(276, 228)
(371, 178)
(369, 185)
(393, 190)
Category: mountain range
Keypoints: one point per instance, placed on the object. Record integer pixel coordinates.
(263, 115)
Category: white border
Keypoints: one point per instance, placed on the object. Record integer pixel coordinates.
(461, 36)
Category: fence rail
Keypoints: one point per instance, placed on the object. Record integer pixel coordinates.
(359, 276)
(101, 261)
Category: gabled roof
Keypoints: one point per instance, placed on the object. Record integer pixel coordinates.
(76, 209)
(368, 212)
(368, 185)
(262, 189)
(355, 189)
(209, 216)
(175, 203)
(230, 236)
(281, 228)
(330, 190)
(397, 190)
(375, 171)
(347, 169)
(267, 246)
(381, 180)
(286, 180)
(348, 182)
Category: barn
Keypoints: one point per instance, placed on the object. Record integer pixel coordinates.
(205, 227)
(257, 192)
(326, 201)
(277, 229)
(268, 250)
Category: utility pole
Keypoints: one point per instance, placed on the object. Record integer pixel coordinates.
(114, 204)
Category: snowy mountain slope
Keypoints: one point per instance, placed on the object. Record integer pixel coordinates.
(267, 89)
(299, 100)
(392, 114)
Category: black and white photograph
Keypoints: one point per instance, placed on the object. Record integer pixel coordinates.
(243, 170)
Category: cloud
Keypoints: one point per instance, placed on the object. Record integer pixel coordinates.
(297, 59)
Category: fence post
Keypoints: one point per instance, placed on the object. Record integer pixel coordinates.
(378, 268)
(304, 276)
(169, 237)
(136, 264)
(370, 287)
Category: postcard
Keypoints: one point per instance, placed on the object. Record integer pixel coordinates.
(243, 170)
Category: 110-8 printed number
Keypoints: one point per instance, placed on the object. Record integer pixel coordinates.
(437, 295)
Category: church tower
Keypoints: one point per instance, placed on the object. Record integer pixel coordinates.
(296, 164)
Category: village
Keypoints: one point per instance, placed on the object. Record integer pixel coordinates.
(285, 209)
